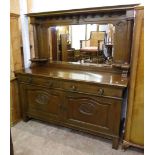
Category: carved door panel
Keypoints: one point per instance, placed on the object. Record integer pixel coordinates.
(95, 113)
(122, 41)
(41, 102)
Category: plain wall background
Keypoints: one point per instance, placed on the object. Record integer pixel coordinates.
(52, 5)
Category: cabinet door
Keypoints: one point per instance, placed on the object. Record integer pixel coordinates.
(40, 102)
(93, 113)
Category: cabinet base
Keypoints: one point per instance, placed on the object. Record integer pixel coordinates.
(126, 145)
(115, 140)
(115, 143)
(26, 118)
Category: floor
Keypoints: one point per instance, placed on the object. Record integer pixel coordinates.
(38, 138)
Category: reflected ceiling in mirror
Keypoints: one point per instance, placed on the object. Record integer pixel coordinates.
(89, 43)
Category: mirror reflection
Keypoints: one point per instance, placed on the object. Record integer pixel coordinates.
(89, 43)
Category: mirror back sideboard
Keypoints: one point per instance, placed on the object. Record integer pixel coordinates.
(86, 97)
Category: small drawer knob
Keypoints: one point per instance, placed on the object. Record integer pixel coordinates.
(101, 91)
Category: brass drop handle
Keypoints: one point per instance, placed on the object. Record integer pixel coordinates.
(73, 88)
(101, 91)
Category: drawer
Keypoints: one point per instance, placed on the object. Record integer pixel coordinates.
(93, 89)
(40, 81)
(24, 78)
(90, 88)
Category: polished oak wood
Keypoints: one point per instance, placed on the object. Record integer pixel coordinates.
(86, 97)
(73, 98)
(97, 77)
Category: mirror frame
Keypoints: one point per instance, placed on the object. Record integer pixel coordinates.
(122, 17)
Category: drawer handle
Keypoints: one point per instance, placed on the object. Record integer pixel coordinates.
(73, 88)
(101, 91)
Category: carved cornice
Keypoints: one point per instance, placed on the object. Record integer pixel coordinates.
(108, 14)
(83, 11)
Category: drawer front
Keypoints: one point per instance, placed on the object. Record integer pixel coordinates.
(40, 81)
(24, 78)
(72, 86)
(93, 89)
(95, 113)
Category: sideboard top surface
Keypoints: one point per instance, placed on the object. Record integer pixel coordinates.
(105, 78)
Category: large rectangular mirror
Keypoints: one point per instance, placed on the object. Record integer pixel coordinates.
(87, 43)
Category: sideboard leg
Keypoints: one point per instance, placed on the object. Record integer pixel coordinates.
(26, 118)
(125, 145)
(115, 143)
